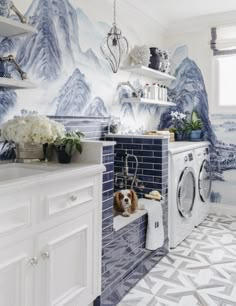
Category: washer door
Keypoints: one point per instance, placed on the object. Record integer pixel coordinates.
(186, 192)
(205, 181)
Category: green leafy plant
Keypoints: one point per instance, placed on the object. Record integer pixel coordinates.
(172, 130)
(194, 124)
(71, 143)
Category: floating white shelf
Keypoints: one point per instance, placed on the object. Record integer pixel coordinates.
(12, 28)
(147, 101)
(16, 84)
(149, 73)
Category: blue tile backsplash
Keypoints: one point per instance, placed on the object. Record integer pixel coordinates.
(124, 257)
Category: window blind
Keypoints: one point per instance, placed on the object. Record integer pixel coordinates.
(223, 40)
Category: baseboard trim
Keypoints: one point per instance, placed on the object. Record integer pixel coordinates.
(223, 209)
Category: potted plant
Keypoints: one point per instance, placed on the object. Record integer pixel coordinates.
(30, 132)
(178, 124)
(67, 145)
(194, 127)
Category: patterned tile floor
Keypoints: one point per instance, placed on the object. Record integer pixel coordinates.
(201, 271)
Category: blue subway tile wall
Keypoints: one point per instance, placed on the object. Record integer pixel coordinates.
(124, 257)
(92, 128)
(107, 195)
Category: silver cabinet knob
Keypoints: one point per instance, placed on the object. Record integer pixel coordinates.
(33, 261)
(45, 255)
(73, 198)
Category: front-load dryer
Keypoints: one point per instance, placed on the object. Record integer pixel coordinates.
(181, 194)
(204, 183)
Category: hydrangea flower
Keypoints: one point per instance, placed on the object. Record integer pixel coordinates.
(32, 128)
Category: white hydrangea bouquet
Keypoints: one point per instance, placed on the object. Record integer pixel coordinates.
(30, 132)
(32, 129)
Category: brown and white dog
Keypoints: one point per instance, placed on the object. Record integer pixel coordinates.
(125, 202)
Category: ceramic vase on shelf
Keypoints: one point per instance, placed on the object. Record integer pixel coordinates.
(5, 8)
(155, 59)
(29, 151)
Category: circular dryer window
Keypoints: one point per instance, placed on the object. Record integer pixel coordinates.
(186, 193)
(205, 181)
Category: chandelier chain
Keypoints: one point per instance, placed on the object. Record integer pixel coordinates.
(114, 7)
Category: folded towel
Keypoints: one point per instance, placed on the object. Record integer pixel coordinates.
(155, 229)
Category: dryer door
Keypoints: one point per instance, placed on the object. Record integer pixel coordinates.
(186, 192)
(205, 181)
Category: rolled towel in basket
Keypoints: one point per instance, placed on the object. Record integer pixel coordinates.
(155, 229)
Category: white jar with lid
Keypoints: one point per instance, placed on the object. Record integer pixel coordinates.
(160, 93)
(147, 91)
(154, 91)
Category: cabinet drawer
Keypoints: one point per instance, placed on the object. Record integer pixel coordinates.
(61, 199)
(14, 215)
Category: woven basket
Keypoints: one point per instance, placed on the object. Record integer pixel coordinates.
(29, 151)
(172, 137)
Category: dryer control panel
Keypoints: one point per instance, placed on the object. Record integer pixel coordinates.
(188, 157)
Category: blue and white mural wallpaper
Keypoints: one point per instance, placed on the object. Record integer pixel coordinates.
(73, 79)
(65, 62)
(55, 62)
(189, 92)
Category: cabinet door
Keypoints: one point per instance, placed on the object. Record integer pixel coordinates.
(16, 275)
(65, 271)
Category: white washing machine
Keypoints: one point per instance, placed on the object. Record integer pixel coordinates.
(182, 192)
(204, 183)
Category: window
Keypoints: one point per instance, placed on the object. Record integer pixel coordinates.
(223, 44)
(226, 81)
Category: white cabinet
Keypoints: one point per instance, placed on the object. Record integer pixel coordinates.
(50, 240)
(17, 275)
(65, 271)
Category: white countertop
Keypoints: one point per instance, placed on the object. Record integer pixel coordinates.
(102, 142)
(27, 173)
(182, 146)
(136, 136)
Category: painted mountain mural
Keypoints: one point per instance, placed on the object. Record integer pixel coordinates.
(53, 55)
(74, 96)
(7, 101)
(189, 92)
(42, 54)
(96, 108)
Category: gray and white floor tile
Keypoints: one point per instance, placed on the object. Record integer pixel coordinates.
(201, 271)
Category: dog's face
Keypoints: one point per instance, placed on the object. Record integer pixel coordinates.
(125, 200)
(125, 197)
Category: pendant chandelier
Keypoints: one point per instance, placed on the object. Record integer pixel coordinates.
(115, 46)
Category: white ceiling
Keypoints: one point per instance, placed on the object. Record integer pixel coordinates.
(172, 11)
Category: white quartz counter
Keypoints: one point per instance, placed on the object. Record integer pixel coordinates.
(23, 173)
(136, 136)
(182, 146)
